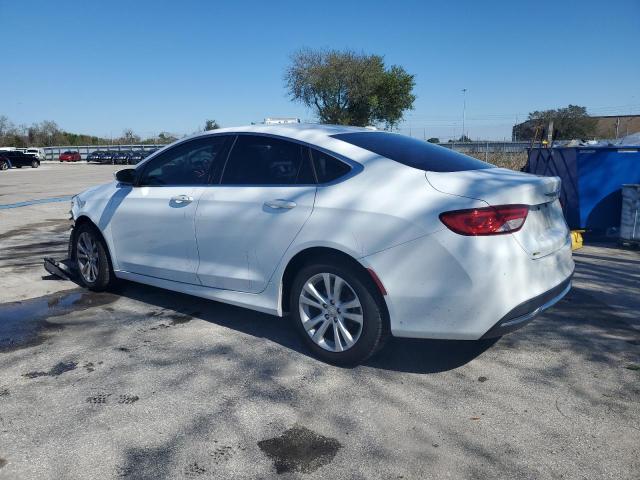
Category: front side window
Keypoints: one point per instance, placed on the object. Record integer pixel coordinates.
(262, 160)
(190, 163)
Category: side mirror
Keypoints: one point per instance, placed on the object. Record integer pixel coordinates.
(126, 176)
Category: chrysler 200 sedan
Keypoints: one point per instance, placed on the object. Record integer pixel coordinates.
(357, 234)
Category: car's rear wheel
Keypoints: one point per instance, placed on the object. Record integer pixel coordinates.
(338, 312)
(4, 165)
(35, 164)
(92, 259)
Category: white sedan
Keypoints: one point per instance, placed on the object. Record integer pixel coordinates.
(358, 234)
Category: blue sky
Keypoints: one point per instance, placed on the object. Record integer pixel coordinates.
(99, 67)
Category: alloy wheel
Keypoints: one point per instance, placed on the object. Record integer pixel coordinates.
(331, 312)
(87, 255)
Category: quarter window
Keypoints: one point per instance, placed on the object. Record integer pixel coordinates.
(327, 167)
(262, 160)
(189, 163)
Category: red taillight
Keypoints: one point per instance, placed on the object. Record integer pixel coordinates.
(486, 221)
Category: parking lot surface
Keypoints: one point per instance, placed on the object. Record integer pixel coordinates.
(145, 383)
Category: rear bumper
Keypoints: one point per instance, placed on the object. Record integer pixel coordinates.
(527, 311)
(450, 286)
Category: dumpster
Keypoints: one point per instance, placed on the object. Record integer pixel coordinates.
(592, 179)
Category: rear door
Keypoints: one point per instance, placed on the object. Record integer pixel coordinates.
(152, 226)
(245, 224)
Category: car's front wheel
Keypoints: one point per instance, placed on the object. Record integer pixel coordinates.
(4, 165)
(338, 312)
(35, 164)
(92, 259)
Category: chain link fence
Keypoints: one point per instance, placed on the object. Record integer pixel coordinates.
(512, 155)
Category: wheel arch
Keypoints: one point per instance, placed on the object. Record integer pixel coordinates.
(313, 254)
(82, 220)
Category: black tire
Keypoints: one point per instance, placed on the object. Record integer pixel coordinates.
(35, 164)
(104, 279)
(18, 166)
(374, 330)
(4, 165)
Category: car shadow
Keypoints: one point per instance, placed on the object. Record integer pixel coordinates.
(400, 354)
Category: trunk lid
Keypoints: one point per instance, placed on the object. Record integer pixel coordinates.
(545, 229)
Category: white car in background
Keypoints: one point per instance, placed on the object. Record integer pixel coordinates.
(358, 234)
(36, 152)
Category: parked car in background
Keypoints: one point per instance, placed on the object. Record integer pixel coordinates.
(5, 163)
(136, 157)
(108, 156)
(358, 234)
(122, 157)
(17, 159)
(70, 156)
(95, 156)
(36, 152)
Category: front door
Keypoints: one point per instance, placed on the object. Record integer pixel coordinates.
(152, 227)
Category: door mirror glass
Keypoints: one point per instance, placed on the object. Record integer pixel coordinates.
(126, 176)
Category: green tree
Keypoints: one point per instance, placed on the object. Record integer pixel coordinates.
(570, 122)
(166, 137)
(211, 125)
(463, 138)
(129, 137)
(348, 88)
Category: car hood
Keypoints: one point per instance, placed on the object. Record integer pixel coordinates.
(97, 191)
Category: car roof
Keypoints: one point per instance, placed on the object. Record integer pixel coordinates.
(297, 131)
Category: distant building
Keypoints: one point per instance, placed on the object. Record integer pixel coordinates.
(608, 127)
(280, 120)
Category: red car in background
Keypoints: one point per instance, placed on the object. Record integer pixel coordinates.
(70, 156)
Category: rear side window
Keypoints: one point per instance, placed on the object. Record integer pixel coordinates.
(413, 152)
(327, 167)
(262, 160)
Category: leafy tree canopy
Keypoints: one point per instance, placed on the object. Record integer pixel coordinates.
(211, 125)
(569, 122)
(349, 88)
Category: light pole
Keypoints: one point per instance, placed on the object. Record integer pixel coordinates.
(464, 111)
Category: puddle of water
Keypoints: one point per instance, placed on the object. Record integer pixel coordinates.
(36, 202)
(54, 371)
(299, 449)
(21, 323)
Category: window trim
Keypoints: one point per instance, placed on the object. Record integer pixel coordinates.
(355, 167)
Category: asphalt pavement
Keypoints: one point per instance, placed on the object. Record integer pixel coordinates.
(145, 383)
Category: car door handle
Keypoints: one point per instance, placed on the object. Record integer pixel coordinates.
(280, 204)
(182, 199)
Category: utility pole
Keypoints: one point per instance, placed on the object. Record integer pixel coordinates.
(464, 110)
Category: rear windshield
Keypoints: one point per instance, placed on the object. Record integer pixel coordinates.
(413, 152)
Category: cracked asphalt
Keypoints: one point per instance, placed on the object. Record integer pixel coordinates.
(143, 383)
